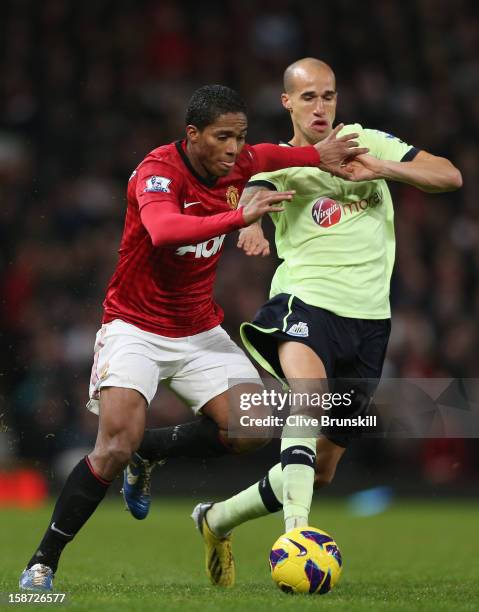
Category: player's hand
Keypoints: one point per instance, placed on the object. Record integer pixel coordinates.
(264, 202)
(364, 168)
(252, 241)
(336, 152)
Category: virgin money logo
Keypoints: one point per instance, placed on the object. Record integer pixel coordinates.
(326, 212)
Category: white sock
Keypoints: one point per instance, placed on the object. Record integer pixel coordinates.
(295, 521)
(298, 458)
(259, 499)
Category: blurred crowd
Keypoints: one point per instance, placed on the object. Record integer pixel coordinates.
(88, 88)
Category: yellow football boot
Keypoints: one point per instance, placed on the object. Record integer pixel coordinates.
(220, 564)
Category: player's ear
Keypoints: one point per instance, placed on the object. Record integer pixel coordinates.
(192, 133)
(285, 102)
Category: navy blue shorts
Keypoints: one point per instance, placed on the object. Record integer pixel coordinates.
(350, 349)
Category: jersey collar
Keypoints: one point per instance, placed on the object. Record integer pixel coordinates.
(208, 182)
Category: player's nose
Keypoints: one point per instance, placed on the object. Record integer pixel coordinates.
(232, 149)
(319, 108)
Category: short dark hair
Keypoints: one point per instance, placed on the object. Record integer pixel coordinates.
(209, 102)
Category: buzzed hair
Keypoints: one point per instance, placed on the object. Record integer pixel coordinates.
(289, 73)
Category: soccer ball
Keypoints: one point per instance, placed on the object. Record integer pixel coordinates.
(305, 560)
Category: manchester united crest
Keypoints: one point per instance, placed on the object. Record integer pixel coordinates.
(232, 197)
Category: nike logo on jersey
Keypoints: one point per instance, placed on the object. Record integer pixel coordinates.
(67, 535)
(188, 204)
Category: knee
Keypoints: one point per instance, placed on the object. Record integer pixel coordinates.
(115, 452)
(120, 453)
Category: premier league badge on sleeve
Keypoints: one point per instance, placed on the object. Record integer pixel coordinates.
(157, 183)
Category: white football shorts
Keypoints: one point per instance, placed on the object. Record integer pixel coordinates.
(197, 368)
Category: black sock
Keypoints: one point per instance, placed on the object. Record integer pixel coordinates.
(80, 496)
(199, 438)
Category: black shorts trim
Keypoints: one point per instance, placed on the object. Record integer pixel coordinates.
(410, 155)
(350, 349)
(261, 183)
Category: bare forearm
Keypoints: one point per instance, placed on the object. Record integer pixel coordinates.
(434, 176)
(247, 195)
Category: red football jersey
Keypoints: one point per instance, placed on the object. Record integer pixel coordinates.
(169, 291)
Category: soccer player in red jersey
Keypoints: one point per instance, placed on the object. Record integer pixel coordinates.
(160, 320)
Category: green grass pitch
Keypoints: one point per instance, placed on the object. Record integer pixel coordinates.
(415, 556)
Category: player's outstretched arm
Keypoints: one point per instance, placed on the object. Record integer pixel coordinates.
(251, 239)
(169, 228)
(330, 155)
(264, 202)
(426, 172)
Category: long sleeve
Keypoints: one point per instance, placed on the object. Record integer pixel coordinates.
(270, 157)
(168, 227)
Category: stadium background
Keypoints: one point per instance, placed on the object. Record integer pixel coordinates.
(88, 88)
